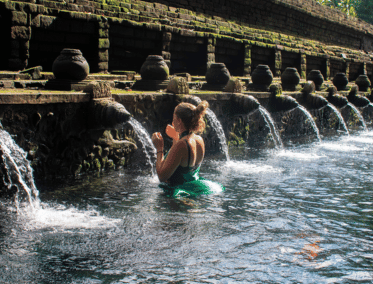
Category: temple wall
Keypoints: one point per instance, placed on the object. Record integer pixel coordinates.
(304, 18)
(118, 35)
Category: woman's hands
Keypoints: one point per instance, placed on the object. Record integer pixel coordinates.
(158, 142)
(172, 133)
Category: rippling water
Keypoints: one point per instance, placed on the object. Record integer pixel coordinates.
(302, 214)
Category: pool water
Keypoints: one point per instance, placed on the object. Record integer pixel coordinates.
(301, 214)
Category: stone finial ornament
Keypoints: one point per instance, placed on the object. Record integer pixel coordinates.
(217, 73)
(363, 82)
(340, 81)
(317, 77)
(262, 76)
(70, 65)
(290, 79)
(154, 68)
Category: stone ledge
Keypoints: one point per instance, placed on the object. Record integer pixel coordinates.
(14, 98)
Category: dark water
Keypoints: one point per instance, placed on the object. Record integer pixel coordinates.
(299, 215)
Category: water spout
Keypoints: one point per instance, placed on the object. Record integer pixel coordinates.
(340, 117)
(282, 103)
(17, 176)
(312, 122)
(107, 114)
(216, 125)
(244, 103)
(146, 143)
(357, 100)
(270, 123)
(358, 114)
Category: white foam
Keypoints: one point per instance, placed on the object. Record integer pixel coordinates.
(299, 155)
(248, 168)
(360, 276)
(60, 217)
(338, 147)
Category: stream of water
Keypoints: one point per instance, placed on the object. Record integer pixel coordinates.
(294, 215)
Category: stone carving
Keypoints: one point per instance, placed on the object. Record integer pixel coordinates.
(340, 81)
(70, 65)
(316, 77)
(178, 85)
(154, 68)
(217, 73)
(290, 79)
(363, 82)
(262, 76)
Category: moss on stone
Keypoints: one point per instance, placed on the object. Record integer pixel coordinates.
(103, 43)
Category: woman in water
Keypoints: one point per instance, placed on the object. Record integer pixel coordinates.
(182, 163)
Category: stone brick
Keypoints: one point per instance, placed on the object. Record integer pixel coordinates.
(103, 43)
(103, 55)
(103, 66)
(47, 21)
(20, 32)
(19, 18)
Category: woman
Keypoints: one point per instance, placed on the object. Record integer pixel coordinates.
(180, 168)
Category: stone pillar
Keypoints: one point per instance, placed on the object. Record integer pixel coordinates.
(20, 35)
(166, 43)
(347, 71)
(278, 62)
(364, 69)
(303, 65)
(327, 68)
(211, 43)
(103, 47)
(247, 60)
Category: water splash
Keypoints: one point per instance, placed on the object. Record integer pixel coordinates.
(313, 123)
(216, 125)
(341, 120)
(268, 118)
(360, 117)
(145, 141)
(19, 172)
(18, 169)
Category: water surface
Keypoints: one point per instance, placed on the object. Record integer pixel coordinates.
(301, 214)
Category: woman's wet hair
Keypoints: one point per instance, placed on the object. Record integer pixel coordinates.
(192, 116)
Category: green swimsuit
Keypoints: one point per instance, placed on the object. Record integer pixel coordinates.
(185, 181)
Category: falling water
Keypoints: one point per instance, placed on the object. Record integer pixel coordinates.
(341, 120)
(145, 141)
(361, 119)
(310, 118)
(216, 125)
(19, 170)
(267, 117)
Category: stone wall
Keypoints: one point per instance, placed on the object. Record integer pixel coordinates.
(304, 18)
(119, 35)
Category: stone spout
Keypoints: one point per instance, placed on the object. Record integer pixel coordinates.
(244, 104)
(107, 114)
(194, 100)
(309, 99)
(336, 99)
(282, 103)
(357, 100)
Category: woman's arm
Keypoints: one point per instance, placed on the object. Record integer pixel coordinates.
(166, 167)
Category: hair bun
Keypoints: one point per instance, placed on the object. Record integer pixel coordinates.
(201, 108)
